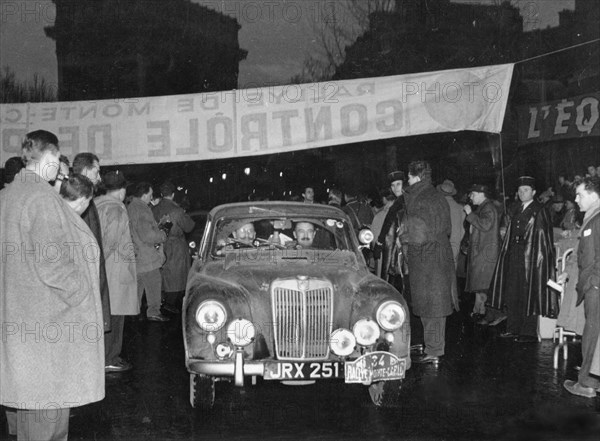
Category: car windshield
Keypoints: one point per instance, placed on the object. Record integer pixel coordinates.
(283, 233)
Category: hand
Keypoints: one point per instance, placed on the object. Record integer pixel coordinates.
(467, 209)
(562, 277)
(377, 249)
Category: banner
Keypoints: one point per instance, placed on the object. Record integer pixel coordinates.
(266, 120)
(568, 118)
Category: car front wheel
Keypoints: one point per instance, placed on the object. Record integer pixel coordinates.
(202, 392)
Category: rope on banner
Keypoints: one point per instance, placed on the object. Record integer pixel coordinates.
(557, 51)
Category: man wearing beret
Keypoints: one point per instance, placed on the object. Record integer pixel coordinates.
(484, 245)
(526, 262)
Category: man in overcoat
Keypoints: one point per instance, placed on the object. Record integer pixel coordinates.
(431, 269)
(119, 258)
(52, 349)
(175, 270)
(525, 263)
(88, 165)
(484, 245)
(588, 285)
(147, 239)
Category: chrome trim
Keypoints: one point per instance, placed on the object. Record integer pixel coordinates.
(302, 310)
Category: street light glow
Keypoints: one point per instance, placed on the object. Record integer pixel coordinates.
(224, 176)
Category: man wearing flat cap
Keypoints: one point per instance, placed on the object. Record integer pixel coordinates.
(484, 245)
(525, 264)
(386, 246)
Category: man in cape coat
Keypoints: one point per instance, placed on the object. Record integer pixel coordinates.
(526, 262)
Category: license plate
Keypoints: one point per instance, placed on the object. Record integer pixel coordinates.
(375, 366)
(308, 370)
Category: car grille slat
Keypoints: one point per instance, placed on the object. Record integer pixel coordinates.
(302, 319)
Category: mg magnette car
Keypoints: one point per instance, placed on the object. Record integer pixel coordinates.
(281, 290)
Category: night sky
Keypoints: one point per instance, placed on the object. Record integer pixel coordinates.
(277, 34)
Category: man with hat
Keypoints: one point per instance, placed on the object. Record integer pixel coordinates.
(457, 216)
(386, 246)
(119, 258)
(525, 264)
(484, 245)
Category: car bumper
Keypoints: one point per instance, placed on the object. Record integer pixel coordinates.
(361, 370)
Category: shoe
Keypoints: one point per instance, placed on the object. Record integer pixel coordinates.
(577, 389)
(119, 366)
(483, 322)
(497, 321)
(427, 359)
(158, 318)
(170, 308)
(508, 335)
(526, 339)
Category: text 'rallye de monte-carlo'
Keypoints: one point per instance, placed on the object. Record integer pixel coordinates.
(281, 290)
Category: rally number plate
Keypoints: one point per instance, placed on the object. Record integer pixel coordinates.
(375, 366)
(307, 370)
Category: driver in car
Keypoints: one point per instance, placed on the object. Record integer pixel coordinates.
(304, 233)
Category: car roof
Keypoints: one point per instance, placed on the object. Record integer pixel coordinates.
(275, 208)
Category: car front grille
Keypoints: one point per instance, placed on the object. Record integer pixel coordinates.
(302, 318)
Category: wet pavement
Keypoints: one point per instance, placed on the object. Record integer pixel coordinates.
(484, 388)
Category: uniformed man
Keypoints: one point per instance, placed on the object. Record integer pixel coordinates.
(525, 264)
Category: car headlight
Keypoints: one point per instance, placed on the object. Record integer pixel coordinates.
(342, 342)
(390, 315)
(211, 316)
(366, 332)
(241, 332)
(365, 236)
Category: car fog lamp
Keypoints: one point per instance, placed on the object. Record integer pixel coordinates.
(342, 342)
(241, 332)
(211, 316)
(223, 350)
(366, 332)
(365, 236)
(390, 315)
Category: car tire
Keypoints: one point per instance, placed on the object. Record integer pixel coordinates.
(202, 392)
(386, 394)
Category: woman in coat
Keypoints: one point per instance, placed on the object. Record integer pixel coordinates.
(52, 350)
(484, 245)
(431, 270)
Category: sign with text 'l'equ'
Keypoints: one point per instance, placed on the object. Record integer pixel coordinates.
(266, 120)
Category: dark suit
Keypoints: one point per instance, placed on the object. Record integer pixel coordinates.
(588, 291)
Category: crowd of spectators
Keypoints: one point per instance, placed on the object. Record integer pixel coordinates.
(426, 238)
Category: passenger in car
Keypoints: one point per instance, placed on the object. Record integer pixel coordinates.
(246, 233)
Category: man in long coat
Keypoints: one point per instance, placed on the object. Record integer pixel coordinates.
(386, 246)
(52, 349)
(431, 269)
(88, 165)
(526, 262)
(119, 258)
(484, 245)
(175, 270)
(588, 285)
